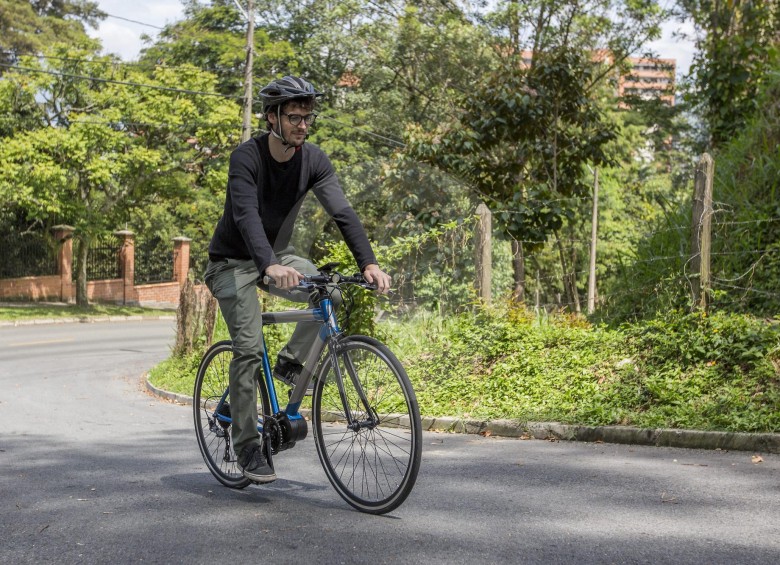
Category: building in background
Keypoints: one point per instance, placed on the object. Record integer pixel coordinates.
(647, 79)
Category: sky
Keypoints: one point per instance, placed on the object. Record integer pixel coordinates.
(124, 38)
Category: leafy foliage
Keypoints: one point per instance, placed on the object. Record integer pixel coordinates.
(523, 141)
(212, 37)
(28, 27)
(737, 46)
(100, 151)
(678, 371)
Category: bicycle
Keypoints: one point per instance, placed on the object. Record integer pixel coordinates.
(364, 414)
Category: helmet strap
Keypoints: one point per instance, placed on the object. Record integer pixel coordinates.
(278, 135)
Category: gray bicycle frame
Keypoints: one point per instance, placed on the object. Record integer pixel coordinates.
(324, 314)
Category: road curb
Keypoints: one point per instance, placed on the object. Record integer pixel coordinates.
(85, 320)
(554, 431)
(660, 437)
(170, 396)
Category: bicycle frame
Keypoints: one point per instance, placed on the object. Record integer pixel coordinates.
(324, 313)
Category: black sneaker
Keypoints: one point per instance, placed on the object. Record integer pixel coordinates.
(255, 467)
(287, 371)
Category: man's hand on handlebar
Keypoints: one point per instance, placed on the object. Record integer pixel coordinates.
(283, 277)
(374, 275)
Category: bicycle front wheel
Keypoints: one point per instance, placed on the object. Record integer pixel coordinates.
(370, 440)
(211, 409)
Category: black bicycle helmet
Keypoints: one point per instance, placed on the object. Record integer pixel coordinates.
(282, 90)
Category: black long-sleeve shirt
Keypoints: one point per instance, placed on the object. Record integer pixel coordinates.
(264, 197)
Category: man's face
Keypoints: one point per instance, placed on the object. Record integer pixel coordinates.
(295, 135)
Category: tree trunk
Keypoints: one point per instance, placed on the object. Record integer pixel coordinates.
(514, 26)
(518, 268)
(569, 284)
(82, 245)
(483, 252)
(210, 318)
(195, 319)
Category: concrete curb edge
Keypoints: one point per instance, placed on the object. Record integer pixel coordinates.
(553, 431)
(84, 320)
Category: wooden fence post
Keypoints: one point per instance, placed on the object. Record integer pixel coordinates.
(483, 261)
(593, 238)
(701, 232)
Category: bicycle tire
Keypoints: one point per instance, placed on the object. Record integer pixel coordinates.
(214, 439)
(373, 468)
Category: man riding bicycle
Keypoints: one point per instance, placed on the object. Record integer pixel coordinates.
(268, 178)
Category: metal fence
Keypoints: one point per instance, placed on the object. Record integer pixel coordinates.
(153, 261)
(103, 259)
(28, 254)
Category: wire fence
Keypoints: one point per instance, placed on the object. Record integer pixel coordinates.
(654, 273)
(27, 254)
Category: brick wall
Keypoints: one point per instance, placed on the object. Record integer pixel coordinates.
(158, 294)
(106, 291)
(31, 288)
(61, 287)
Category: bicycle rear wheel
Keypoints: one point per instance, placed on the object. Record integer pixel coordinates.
(373, 465)
(213, 433)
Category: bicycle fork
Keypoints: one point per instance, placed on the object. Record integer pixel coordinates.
(372, 420)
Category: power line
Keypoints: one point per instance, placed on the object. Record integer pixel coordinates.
(133, 21)
(112, 62)
(367, 132)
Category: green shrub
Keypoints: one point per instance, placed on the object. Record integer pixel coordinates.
(677, 370)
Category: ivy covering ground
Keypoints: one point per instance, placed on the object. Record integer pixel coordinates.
(690, 371)
(680, 371)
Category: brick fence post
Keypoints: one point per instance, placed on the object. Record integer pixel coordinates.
(64, 236)
(181, 259)
(127, 264)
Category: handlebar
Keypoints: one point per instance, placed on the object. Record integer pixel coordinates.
(321, 281)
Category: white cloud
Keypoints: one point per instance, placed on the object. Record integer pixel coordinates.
(123, 37)
(672, 46)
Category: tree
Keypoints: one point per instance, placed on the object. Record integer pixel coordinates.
(542, 108)
(213, 38)
(27, 26)
(737, 47)
(105, 148)
(522, 142)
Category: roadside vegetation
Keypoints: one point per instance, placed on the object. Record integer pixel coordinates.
(681, 370)
(33, 311)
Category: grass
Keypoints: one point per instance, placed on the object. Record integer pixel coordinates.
(683, 371)
(32, 311)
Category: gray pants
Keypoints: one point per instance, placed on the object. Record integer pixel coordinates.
(233, 282)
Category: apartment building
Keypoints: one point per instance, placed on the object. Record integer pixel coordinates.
(648, 78)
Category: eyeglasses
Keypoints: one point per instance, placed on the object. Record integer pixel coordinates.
(295, 119)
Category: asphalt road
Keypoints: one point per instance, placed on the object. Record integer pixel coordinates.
(95, 470)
